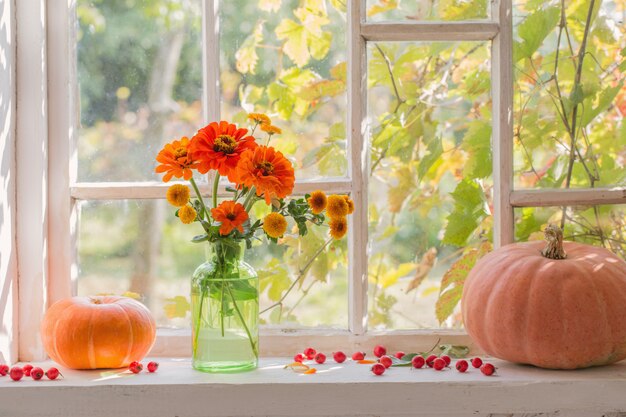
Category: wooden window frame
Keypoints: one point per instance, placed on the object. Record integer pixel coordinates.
(53, 243)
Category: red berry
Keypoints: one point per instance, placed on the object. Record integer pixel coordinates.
(358, 356)
(400, 354)
(298, 358)
(378, 369)
(135, 367)
(53, 373)
(4, 369)
(477, 362)
(16, 373)
(153, 366)
(36, 373)
(439, 364)
(488, 369)
(379, 351)
(309, 353)
(320, 358)
(418, 361)
(27, 368)
(462, 365)
(431, 360)
(339, 357)
(447, 359)
(385, 361)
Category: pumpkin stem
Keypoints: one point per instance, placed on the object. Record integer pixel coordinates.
(554, 246)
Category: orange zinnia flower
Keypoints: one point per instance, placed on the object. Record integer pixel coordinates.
(268, 170)
(175, 161)
(232, 216)
(219, 146)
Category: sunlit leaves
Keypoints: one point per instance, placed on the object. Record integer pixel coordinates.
(469, 210)
(305, 38)
(534, 29)
(275, 279)
(477, 144)
(452, 282)
(246, 56)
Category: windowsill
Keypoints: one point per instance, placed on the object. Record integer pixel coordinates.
(339, 390)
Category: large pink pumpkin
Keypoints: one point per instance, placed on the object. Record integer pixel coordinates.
(522, 306)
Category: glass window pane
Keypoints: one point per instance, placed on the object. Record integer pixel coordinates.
(603, 225)
(288, 59)
(381, 10)
(565, 97)
(140, 79)
(139, 246)
(430, 185)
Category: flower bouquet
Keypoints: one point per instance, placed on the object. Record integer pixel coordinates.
(225, 289)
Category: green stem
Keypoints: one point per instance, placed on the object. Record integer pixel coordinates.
(204, 213)
(195, 338)
(216, 183)
(243, 322)
(247, 204)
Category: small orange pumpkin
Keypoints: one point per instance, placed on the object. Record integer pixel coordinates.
(97, 332)
(563, 307)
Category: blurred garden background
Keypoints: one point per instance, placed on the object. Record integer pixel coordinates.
(429, 121)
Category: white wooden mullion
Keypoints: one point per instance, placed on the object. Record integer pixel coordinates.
(210, 61)
(502, 137)
(283, 342)
(568, 197)
(429, 31)
(157, 190)
(62, 110)
(32, 175)
(358, 169)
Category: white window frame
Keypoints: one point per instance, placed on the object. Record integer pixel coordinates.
(46, 251)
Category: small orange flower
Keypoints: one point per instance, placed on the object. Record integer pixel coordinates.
(338, 227)
(219, 146)
(337, 207)
(350, 204)
(271, 129)
(268, 170)
(260, 118)
(232, 216)
(317, 201)
(175, 160)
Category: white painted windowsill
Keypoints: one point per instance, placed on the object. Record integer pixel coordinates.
(348, 389)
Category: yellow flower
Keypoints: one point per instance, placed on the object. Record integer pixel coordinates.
(338, 227)
(275, 225)
(317, 201)
(271, 129)
(260, 118)
(350, 204)
(177, 195)
(187, 214)
(336, 207)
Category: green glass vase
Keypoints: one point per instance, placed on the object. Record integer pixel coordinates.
(225, 311)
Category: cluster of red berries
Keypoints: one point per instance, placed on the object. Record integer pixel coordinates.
(438, 363)
(18, 372)
(136, 367)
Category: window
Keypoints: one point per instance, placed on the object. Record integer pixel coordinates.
(444, 120)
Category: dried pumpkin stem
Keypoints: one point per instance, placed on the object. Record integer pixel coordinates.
(554, 246)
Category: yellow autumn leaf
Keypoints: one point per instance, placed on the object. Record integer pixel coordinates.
(382, 6)
(391, 277)
(246, 56)
(133, 295)
(177, 306)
